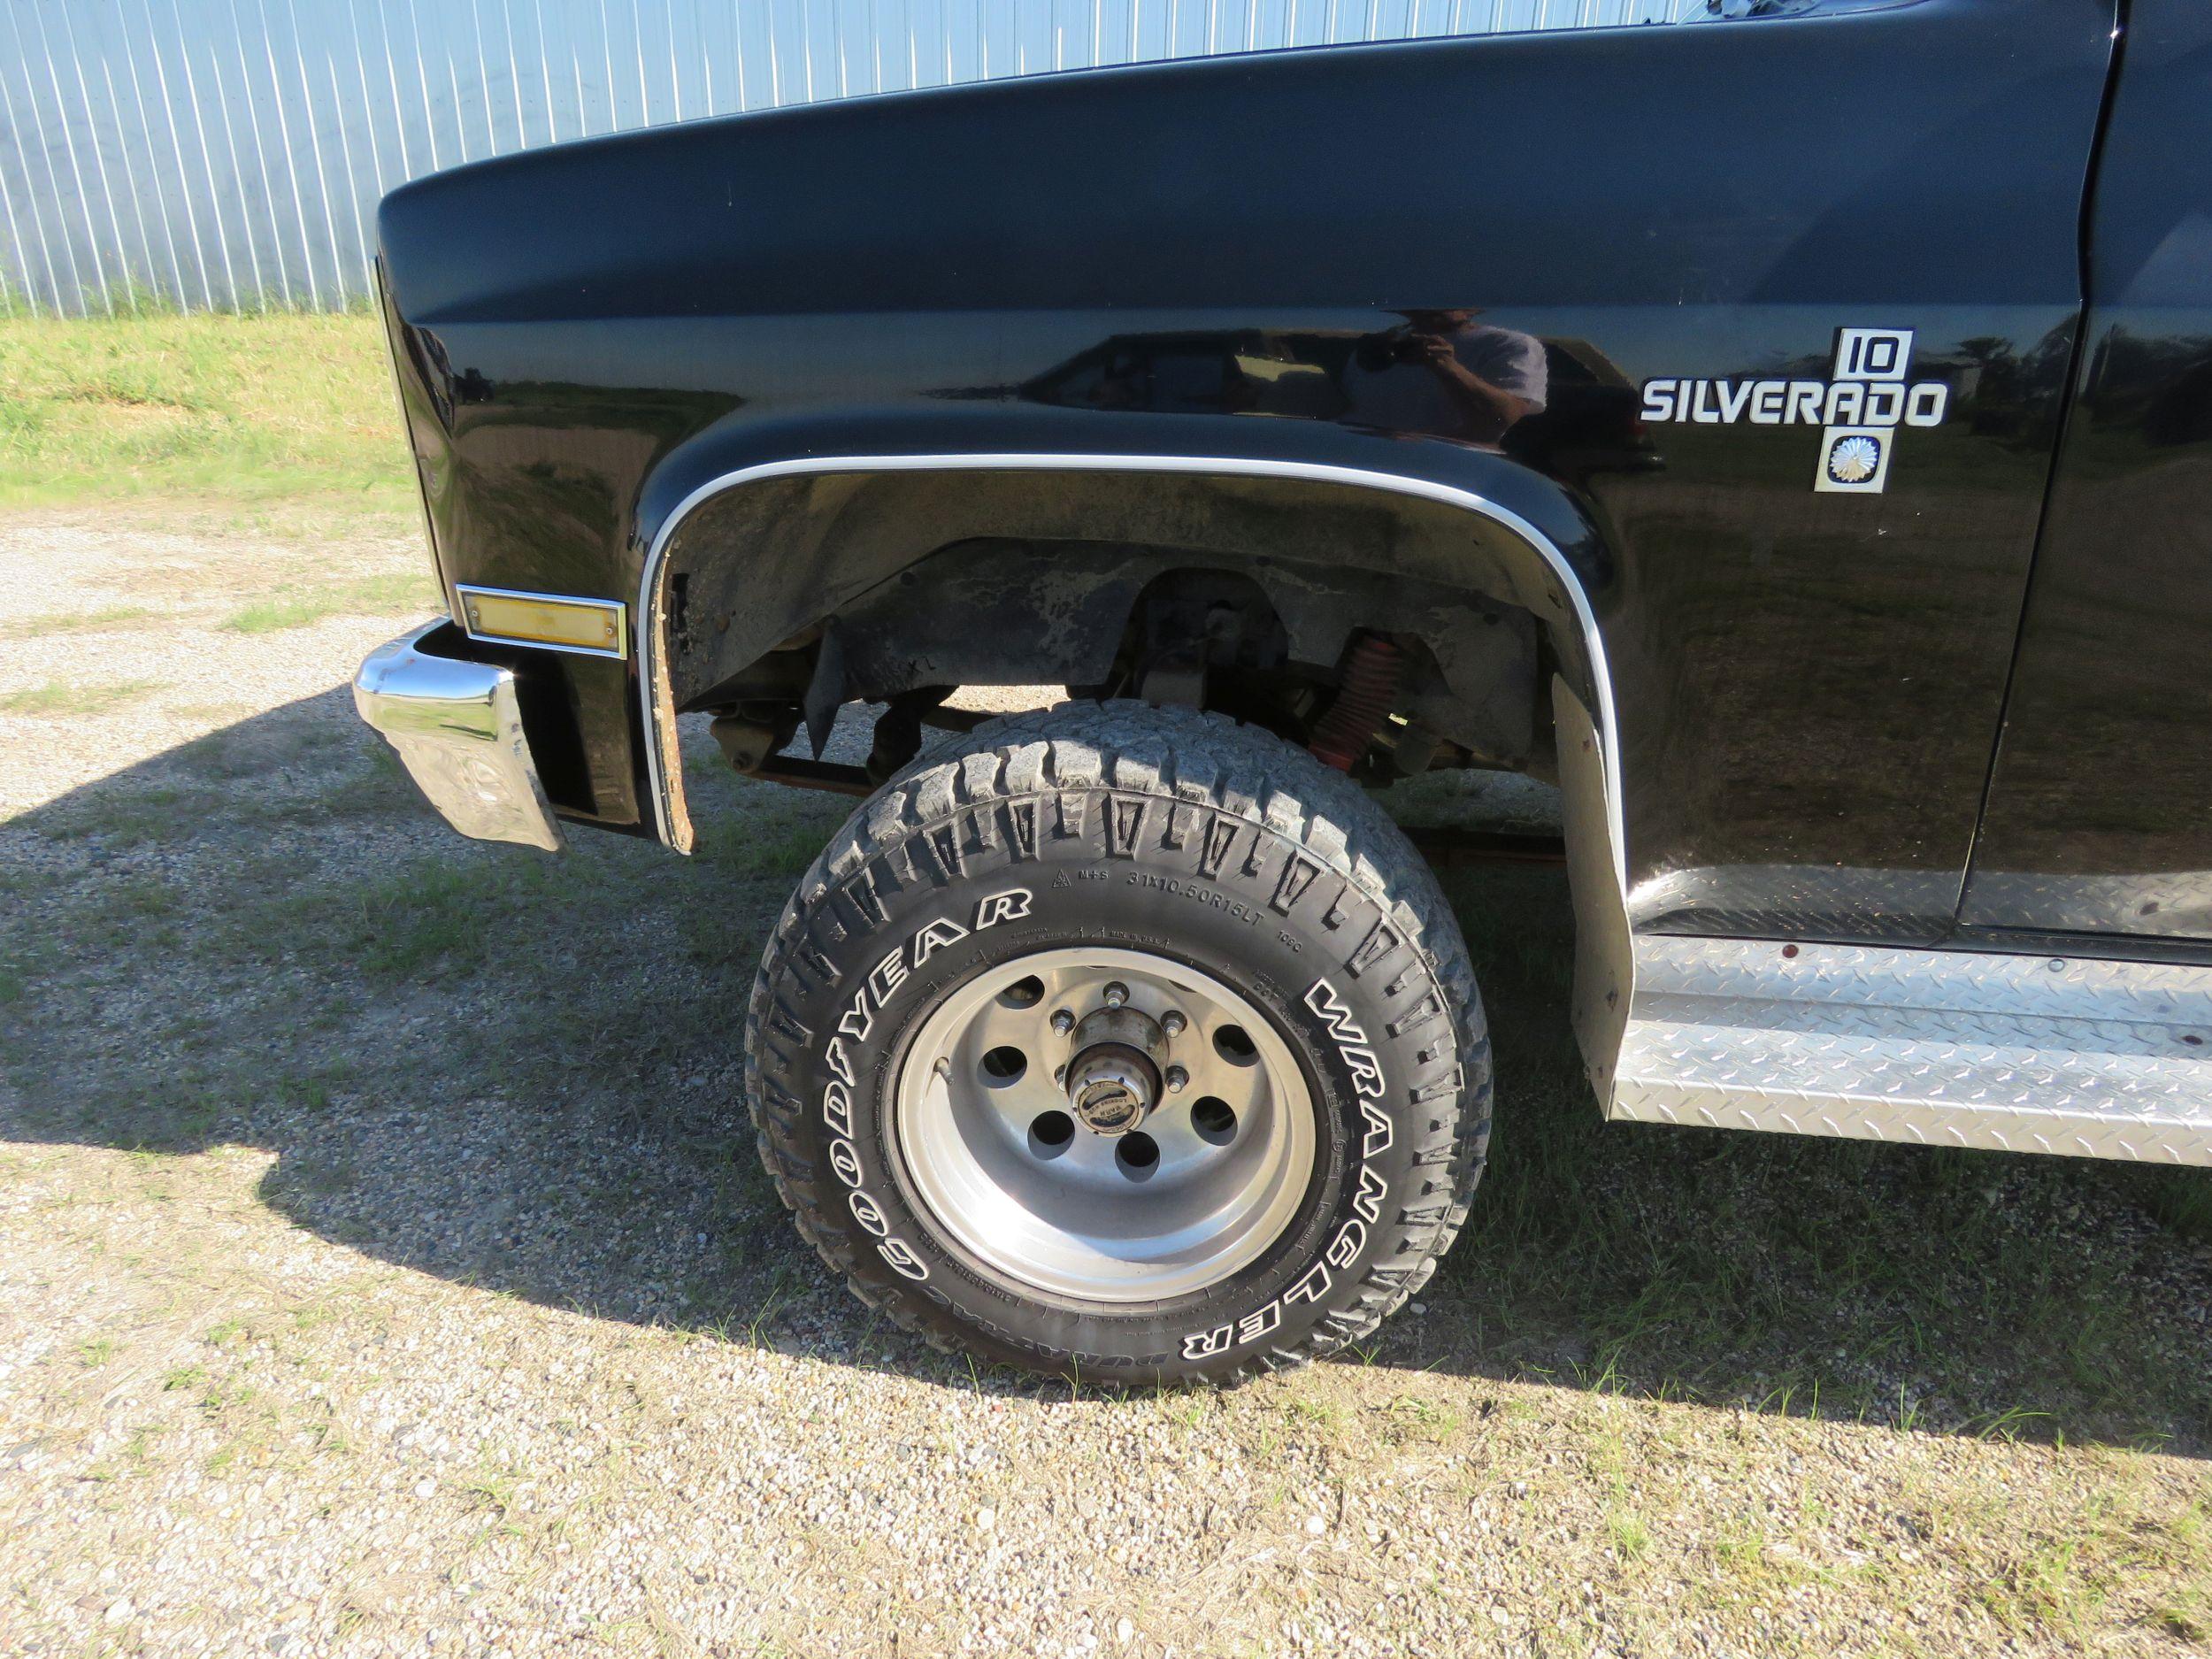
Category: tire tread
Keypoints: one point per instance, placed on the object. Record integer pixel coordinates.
(1181, 757)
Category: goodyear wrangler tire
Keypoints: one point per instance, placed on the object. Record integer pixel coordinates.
(1124, 1042)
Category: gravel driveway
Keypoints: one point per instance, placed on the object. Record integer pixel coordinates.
(383, 1270)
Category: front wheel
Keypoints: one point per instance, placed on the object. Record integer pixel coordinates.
(1122, 1042)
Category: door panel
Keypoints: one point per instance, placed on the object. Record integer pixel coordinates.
(2100, 815)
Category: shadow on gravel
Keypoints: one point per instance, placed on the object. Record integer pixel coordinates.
(522, 1073)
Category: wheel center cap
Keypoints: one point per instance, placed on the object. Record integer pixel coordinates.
(1114, 1080)
(1112, 1087)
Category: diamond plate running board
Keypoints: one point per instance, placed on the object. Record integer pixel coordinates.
(2090, 1057)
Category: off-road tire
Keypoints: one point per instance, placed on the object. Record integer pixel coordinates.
(1161, 830)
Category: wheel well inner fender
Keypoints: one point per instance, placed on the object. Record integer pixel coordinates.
(753, 559)
(1099, 615)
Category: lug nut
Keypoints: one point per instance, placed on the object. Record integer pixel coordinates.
(1172, 1022)
(1176, 1079)
(1063, 1022)
(1060, 1076)
(1117, 994)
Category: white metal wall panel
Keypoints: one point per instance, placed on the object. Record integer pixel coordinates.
(229, 153)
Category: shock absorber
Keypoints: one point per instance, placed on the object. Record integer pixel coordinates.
(1368, 687)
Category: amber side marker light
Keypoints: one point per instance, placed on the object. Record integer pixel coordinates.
(499, 615)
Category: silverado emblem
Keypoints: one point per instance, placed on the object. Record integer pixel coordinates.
(1859, 408)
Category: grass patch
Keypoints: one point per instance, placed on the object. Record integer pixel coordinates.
(136, 913)
(233, 408)
(365, 596)
(2180, 1199)
(58, 699)
(767, 829)
(260, 747)
(273, 616)
(137, 818)
(445, 915)
(435, 916)
(110, 617)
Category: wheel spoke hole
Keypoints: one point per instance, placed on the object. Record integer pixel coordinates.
(1214, 1119)
(1022, 992)
(1003, 1066)
(1234, 1044)
(1050, 1135)
(1137, 1154)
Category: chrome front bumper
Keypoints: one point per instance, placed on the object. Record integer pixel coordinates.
(457, 727)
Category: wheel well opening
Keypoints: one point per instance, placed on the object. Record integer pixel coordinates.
(1274, 642)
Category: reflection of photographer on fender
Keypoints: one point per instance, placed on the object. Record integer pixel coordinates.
(1441, 372)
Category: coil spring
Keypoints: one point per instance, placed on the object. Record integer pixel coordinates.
(1369, 685)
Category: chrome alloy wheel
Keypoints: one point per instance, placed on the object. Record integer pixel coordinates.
(1108, 1125)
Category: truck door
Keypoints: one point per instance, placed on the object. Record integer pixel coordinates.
(2099, 819)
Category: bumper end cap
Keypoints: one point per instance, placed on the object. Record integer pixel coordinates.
(457, 727)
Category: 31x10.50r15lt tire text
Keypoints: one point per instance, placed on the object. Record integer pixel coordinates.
(1122, 1041)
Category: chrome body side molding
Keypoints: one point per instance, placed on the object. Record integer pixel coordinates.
(665, 780)
(2091, 1057)
(457, 727)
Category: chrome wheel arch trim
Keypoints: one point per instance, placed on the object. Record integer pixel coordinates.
(664, 783)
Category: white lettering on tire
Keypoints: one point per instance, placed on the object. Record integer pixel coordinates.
(1368, 1088)
(1359, 1059)
(869, 1214)
(876, 989)
(901, 1259)
(1010, 906)
(1367, 1202)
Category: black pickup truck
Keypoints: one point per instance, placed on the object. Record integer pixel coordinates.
(1791, 434)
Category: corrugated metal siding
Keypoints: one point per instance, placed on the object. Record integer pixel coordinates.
(230, 153)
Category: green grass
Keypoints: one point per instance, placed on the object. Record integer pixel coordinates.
(58, 699)
(367, 595)
(268, 408)
(135, 817)
(112, 616)
(778, 833)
